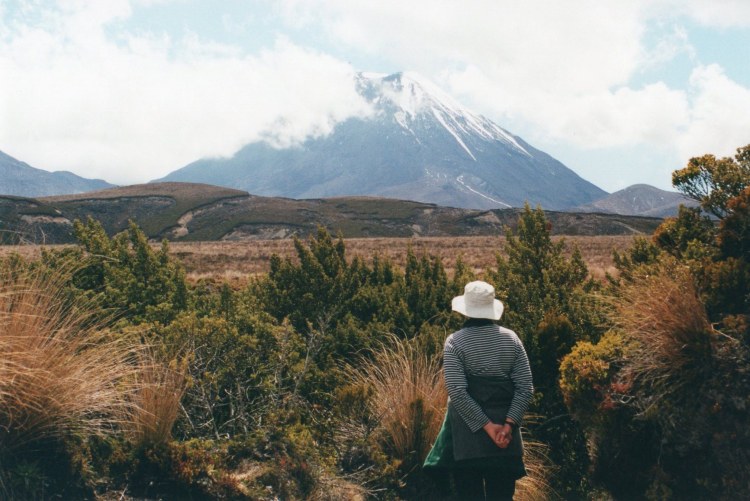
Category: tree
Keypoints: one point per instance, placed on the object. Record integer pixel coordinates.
(129, 275)
(712, 181)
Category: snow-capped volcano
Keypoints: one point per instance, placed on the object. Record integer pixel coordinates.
(407, 95)
(418, 143)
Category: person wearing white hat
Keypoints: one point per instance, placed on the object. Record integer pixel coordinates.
(489, 384)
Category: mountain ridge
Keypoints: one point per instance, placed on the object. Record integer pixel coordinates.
(418, 144)
(197, 212)
(640, 199)
(21, 179)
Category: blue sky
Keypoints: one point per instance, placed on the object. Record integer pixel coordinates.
(129, 90)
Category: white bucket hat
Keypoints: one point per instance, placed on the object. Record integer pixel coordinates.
(478, 301)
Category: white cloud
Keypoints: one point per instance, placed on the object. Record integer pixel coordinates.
(564, 67)
(135, 108)
(719, 122)
(552, 43)
(673, 43)
(720, 13)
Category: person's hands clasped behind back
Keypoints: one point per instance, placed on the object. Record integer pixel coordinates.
(501, 434)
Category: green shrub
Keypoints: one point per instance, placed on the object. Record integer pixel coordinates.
(588, 378)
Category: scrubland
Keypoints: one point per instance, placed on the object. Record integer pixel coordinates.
(310, 369)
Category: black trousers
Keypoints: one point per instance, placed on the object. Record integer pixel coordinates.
(472, 485)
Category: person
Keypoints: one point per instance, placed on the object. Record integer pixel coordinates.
(489, 385)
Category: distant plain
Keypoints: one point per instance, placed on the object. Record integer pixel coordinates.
(235, 262)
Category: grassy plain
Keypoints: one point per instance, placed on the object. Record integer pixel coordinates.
(236, 261)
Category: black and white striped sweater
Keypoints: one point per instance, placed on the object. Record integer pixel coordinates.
(486, 349)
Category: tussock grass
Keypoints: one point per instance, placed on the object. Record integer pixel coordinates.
(160, 388)
(61, 372)
(408, 398)
(664, 315)
(536, 485)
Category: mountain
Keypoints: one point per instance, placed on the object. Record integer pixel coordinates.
(20, 179)
(640, 200)
(199, 212)
(418, 144)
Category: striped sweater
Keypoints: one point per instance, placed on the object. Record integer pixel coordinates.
(486, 349)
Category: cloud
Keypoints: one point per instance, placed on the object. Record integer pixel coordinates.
(130, 108)
(672, 43)
(547, 43)
(564, 68)
(719, 123)
(718, 13)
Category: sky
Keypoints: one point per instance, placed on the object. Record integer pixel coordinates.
(622, 92)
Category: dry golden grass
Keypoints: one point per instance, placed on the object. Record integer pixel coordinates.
(663, 314)
(160, 389)
(234, 262)
(331, 488)
(408, 398)
(60, 370)
(535, 486)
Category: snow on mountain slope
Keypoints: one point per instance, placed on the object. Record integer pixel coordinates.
(413, 95)
(418, 143)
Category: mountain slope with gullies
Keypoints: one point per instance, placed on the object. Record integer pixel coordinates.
(418, 143)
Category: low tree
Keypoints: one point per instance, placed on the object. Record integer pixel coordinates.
(141, 284)
(712, 181)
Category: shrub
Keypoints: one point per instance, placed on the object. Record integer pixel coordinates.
(128, 275)
(666, 391)
(734, 234)
(682, 235)
(588, 378)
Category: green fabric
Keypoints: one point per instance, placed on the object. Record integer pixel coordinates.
(441, 457)
(441, 454)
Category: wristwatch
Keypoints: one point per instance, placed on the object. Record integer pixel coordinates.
(512, 425)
